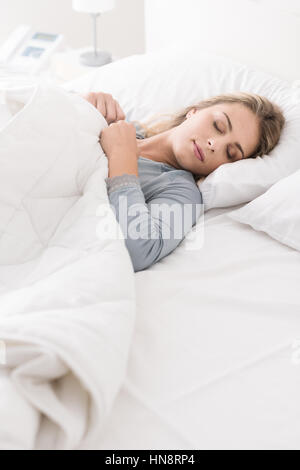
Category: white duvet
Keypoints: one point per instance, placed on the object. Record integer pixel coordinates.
(65, 323)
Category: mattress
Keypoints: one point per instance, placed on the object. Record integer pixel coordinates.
(214, 362)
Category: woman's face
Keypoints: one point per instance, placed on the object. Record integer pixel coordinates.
(225, 133)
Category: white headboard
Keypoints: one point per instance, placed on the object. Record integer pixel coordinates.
(264, 34)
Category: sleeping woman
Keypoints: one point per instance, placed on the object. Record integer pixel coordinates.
(156, 168)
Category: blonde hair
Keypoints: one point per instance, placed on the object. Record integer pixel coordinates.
(270, 115)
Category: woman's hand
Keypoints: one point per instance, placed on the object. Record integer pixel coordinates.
(119, 140)
(107, 105)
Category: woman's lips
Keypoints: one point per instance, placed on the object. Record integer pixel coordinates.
(197, 152)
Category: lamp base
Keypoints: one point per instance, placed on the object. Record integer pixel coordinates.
(95, 60)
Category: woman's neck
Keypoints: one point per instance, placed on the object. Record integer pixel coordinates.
(157, 148)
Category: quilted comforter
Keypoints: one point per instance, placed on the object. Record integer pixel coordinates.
(66, 323)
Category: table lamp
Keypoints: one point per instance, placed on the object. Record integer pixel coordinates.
(94, 8)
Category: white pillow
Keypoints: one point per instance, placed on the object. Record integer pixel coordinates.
(277, 212)
(174, 78)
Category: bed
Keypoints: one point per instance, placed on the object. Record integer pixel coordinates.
(211, 364)
(212, 361)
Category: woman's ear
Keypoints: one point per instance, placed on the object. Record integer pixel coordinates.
(190, 113)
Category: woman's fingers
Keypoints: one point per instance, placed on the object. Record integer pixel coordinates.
(111, 109)
(101, 103)
(120, 112)
(107, 105)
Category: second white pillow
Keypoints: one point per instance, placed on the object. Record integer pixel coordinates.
(277, 212)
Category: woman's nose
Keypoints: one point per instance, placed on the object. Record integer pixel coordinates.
(211, 144)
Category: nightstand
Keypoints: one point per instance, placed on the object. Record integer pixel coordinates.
(66, 66)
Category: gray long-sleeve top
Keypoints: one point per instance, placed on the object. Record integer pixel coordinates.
(158, 208)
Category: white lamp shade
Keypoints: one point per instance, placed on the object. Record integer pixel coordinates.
(93, 6)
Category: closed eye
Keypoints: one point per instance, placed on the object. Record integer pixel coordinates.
(230, 157)
(219, 130)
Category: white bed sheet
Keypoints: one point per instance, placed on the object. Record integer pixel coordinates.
(214, 362)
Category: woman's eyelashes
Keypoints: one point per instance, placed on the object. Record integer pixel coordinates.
(216, 126)
(230, 157)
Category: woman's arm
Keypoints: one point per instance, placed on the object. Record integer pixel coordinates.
(126, 164)
(153, 230)
(149, 235)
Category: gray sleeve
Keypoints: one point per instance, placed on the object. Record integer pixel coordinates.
(120, 181)
(153, 230)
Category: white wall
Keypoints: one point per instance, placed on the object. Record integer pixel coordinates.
(264, 34)
(120, 31)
